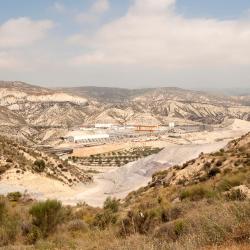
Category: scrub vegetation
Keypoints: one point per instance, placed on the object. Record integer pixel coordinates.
(212, 213)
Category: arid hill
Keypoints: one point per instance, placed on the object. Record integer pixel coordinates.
(43, 107)
(31, 110)
(202, 204)
(17, 159)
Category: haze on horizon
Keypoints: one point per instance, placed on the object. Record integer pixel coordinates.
(126, 43)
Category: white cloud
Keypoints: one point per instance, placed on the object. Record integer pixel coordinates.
(100, 6)
(95, 11)
(59, 7)
(152, 34)
(7, 61)
(22, 32)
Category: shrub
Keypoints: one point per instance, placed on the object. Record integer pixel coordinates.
(104, 219)
(77, 225)
(39, 166)
(111, 204)
(207, 165)
(33, 235)
(179, 227)
(171, 231)
(170, 214)
(196, 193)
(8, 230)
(47, 215)
(2, 209)
(236, 195)
(218, 163)
(14, 196)
(136, 222)
(213, 172)
(8, 225)
(231, 181)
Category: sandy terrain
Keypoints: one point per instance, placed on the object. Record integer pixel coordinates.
(119, 182)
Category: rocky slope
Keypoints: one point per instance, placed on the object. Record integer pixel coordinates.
(164, 104)
(17, 159)
(236, 155)
(37, 106)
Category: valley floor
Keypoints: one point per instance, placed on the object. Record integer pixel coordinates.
(118, 182)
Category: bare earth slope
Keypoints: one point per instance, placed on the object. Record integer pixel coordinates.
(165, 103)
(41, 107)
(18, 161)
(34, 106)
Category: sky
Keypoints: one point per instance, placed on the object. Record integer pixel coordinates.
(126, 43)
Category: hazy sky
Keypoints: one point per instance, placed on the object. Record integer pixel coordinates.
(126, 43)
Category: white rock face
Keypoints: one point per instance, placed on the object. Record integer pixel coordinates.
(57, 97)
(9, 97)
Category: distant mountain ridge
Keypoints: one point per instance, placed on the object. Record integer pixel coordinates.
(114, 95)
(22, 104)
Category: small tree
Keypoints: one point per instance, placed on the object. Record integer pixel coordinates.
(39, 166)
(47, 215)
(111, 204)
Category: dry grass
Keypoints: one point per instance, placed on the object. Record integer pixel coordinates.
(161, 217)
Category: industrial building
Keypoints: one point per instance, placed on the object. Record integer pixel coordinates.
(88, 138)
(104, 125)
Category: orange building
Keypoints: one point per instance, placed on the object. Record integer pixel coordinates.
(146, 128)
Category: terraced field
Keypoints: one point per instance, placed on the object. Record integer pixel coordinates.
(116, 158)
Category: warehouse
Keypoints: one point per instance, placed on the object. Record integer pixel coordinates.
(88, 138)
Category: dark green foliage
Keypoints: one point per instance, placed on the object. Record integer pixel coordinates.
(8, 225)
(14, 196)
(230, 181)
(104, 219)
(2, 208)
(111, 204)
(213, 172)
(109, 215)
(39, 166)
(196, 193)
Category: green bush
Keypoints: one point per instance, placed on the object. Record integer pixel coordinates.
(213, 172)
(104, 219)
(47, 215)
(8, 225)
(111, 204)
(2, 209)
(14, 196)
(8, 230)
(230, 181)
(39, 166)
(33, 235)
(196, 193)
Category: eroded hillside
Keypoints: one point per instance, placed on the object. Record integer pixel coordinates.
(26, 105)
(17, 160)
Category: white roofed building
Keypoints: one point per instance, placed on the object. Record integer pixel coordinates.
(88, 138)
